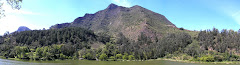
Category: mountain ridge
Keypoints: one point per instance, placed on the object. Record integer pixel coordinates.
(131, 21)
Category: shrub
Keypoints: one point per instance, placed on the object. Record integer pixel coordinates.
(131, 57)
(169, 56)
(119, 56)
(218, 58)
(103, 57)
(207, 58)
(125, 57)
(112, 57)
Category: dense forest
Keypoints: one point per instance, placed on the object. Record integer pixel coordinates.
(79, 43)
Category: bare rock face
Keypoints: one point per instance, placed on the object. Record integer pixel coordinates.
(117, 19)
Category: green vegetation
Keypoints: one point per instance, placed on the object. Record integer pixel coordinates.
(75, 43)
(49, 44)
(103, 57)
(211, 46)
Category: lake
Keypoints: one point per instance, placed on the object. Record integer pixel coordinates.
(86, 62)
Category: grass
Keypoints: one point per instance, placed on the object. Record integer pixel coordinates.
(185, 61)
(188, 61)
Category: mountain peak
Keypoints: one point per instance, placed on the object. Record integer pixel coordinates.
(23, 28)
(112, 6)
(136, 6)
(131, 22)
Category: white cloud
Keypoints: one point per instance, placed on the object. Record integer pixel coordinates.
(125, 3)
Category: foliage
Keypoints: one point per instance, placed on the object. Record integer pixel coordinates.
(125, 56)
(49, 44)
(75, 43)
(179, 56)
(207, 58)
(131, 57)
(174, 42)
(103, 57)
(119, 56)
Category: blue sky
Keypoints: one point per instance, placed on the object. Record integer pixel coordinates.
(189, 14)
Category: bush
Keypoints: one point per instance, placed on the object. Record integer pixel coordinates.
(125, 57)
(89, 56)
(207, 58)
(131, 57)
(185, 57)
(103, 57)
(218, 58)
(181, 28)
(119, 56)
(62, 56)
(112, 58)
(234, 58)
(169, 56)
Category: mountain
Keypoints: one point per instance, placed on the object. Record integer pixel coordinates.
(23, 28)
(133, 33)
(131, 22)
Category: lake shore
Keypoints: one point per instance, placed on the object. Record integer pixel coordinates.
(188, 61)
(184, 61)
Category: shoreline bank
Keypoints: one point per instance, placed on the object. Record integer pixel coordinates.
(188, 61)
(174, 60)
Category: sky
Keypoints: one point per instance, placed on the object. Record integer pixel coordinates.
(189, 14)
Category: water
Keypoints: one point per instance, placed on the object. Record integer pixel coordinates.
(86, 62)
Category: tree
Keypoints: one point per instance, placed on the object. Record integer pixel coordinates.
(1, 39)
(193, 49)
(46, 45)
(21, 52)
(174, 42)
(181, 28)
(39, 52)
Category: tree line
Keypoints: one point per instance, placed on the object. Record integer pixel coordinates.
(76, 43)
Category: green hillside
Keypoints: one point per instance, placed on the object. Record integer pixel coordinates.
(128, 21)
(118, 33)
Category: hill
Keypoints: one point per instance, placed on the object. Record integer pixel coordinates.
(131, 22)
(23, 28)
(116, 32)
(120, 33)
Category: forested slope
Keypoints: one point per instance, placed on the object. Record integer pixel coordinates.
(120, 33)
